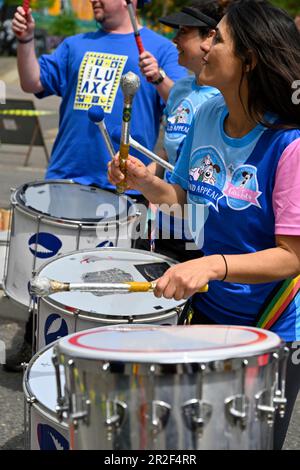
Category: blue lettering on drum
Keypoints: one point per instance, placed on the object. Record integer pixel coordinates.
(55, 327)
(44, 245)
(50, 439)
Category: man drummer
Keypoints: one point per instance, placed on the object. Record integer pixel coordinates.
(76, 72)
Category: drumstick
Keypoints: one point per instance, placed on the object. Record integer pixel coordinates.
(130, 84)
(42, 287)
(26, 6)
(137, 35)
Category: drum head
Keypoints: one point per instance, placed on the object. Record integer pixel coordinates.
(71, 201)
(40, 379)
(168, 344)
(110, 265)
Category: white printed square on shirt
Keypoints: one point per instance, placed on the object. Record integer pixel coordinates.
(98, 80)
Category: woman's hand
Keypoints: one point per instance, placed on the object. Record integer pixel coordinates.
(186, 279)
(137, 174)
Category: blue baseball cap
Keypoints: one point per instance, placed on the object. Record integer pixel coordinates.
(141, 3)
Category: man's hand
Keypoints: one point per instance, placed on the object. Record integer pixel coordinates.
(23, 25)
(149, 66)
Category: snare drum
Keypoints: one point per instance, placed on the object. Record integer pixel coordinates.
(51, 218)
(68, 312)
(172, 387)
(43, 430)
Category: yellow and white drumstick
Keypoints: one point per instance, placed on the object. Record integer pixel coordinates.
(42, 287)
(130, 84)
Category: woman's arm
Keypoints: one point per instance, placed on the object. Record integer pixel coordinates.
(184, 280)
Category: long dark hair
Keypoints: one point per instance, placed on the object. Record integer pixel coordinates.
(269, 34)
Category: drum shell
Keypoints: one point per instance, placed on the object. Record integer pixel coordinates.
(22, 264)
(173, 384)
(79, 320)
(37, 414)
(78, 317)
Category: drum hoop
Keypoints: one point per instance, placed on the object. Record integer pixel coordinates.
(114, 319)
(228, 365)
(37, 404)
(52, 220)
(56, 304)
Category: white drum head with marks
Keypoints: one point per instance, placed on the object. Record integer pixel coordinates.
(110, 265)
(41, 382)
(73, 202)
(169, 344)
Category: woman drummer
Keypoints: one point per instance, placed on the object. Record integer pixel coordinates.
(240, 165)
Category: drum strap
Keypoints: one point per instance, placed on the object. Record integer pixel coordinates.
(277, 303)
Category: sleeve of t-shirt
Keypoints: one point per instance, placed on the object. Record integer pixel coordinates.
(286, 200)
(54, 71)
(181, 171)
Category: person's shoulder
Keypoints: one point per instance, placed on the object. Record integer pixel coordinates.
(89, 36)
(213, 106)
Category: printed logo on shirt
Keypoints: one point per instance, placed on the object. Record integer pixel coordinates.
(44, 245)
(207, 177)
(50, 439)
(98, 80)
(179, 123)
(242, 191)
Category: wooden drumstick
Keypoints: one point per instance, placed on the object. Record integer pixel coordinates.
(130, 84)
(42, 287)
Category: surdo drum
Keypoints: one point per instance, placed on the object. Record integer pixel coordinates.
(171, 387)
(43, 429)
(67, 312)
(51, 218)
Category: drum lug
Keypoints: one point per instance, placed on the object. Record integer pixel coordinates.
(82, 415)
(279, 399)
(115, 416)
(160, 415)
(264, 406)
(196, 414)
(237, 406)
(61, 407)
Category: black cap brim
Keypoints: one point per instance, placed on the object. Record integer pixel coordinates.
(175, 20)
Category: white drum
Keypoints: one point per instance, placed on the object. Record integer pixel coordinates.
(43, 429)
(172, 387)
(4, 236)
(68, 312)
(51, 218)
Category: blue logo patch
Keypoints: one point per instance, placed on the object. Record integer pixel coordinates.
(207, 177)
(242, 191)
(50, 439)
(106, 243)
(44, 245)
(179, 122)
(55, 327)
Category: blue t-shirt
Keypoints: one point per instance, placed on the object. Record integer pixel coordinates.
(231, 182)
(184, 100)
(86, 70)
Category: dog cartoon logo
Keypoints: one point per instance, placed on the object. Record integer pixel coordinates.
(179, 122)
(207, 177)
(242, 191)
(44, 245)
(50, 439)
(55, 327)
